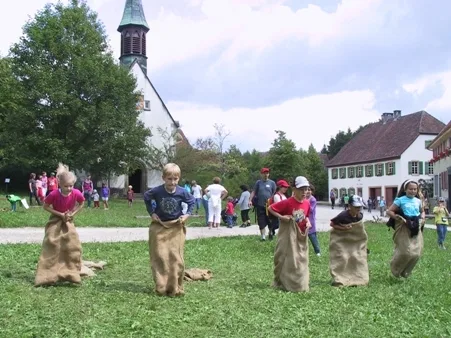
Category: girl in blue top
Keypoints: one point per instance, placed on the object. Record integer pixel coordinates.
(407, 218)
(408, 207)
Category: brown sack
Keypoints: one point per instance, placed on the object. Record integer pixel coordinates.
(408, 251)
(166, 248)
(291, 261)
(348, 257)
(197, 274)
(60, 258)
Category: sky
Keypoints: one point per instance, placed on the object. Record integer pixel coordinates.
(308, 67)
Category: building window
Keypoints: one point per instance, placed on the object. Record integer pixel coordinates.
(416, 168)
(342, 172)
(359, 171)
(342, 192)
(379, 169)
(351, 172)
(334, 174)
(147, 105)
(390, 168)
(430, 168)
(369, 170)
(351, 191)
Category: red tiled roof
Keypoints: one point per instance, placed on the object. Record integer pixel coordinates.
(444, 130)
(382, 141)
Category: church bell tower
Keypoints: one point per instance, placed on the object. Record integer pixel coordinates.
(133, 29)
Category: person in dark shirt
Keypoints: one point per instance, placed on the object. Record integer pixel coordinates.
(167, 231)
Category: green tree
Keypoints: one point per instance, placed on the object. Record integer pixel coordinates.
(79, 106)
(316, 172)
(284, 159)
(338, 141)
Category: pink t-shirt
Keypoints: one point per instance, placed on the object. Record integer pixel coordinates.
(64, 203)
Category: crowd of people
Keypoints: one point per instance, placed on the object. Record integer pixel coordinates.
(170, 205)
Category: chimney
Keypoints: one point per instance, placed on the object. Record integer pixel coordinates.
(396, 114)
(386, 117)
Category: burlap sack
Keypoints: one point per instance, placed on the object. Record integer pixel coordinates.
(291, 261)
(196, 274)
(408, 250)
(166, 248)
(60, 258)
(348, 256)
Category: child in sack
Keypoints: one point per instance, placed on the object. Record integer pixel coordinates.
(167, 231)
(348, 252)
(291, 271)
(407, 217)
(60, 259)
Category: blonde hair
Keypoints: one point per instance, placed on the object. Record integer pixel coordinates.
(171, 169)
(64, 175)
(130, 186)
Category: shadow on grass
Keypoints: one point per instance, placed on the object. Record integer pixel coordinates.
(125, 286)
(20, 276)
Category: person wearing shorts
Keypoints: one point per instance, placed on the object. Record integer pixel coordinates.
(105, 196)
(264, 189)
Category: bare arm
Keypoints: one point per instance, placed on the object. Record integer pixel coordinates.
(279, 216)
(224, 194)
(391, 212)
(48, 207)
(77, 208)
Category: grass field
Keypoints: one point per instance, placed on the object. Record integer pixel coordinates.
(237, 302)
(118, 215)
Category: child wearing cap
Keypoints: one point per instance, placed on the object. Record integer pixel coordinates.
(348, 246)
(280, 195)
(291, 271)
(441, 214)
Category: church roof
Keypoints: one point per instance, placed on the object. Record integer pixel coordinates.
(386, 140)
(133, 14)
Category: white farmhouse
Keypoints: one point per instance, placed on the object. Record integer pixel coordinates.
(441, 161)
(154, 113)
(384, 154)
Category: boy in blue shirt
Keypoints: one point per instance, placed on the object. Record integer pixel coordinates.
(167, 231)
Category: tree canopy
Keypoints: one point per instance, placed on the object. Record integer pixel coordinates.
(70, 101)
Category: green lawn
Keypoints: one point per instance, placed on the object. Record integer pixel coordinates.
(118, 215)
(237, 302)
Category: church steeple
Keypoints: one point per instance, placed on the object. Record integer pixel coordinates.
(133, 29)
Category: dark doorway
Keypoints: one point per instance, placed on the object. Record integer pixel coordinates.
(359, 192)
(375, 192)
(390, 195)
(135, 180)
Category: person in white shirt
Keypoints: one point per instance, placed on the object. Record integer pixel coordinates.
(216, 193)
(196, 190)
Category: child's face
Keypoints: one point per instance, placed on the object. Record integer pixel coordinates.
(354, 210)
(411, 190)
(66, 187)
(300, 193)
(171, 181)
(283, 190)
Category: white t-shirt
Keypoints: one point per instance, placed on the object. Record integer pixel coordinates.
(279, 197)
(197, 191)
(215, 191)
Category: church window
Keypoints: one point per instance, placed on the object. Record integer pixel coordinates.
(143, 40)
(147, 105)
(127, 43)
(136, 49)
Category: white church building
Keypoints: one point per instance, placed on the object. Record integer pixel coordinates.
(154, 113)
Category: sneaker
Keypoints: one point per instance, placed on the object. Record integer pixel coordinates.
(318, 254)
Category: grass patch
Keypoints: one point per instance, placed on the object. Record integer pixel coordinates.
(118, 215)
(238, 302)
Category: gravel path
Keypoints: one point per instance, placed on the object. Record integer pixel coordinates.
(90, 235)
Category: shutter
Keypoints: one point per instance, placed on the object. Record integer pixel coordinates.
(394, 168)
(386, 168)
(382, 170)
(372, 170)
(420, 167)
(410, 168)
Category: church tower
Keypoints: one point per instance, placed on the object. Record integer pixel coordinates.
(133, 29)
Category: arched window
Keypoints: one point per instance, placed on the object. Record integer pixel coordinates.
(342, 192)
(136, 47)
(143, 44)
(351, 191)
(127, 43)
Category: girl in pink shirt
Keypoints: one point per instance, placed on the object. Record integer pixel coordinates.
(60, 258)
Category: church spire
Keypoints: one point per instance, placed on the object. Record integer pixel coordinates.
(133, 29)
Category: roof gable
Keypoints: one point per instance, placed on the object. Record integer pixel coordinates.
(176, 123)
(386, 140)
(443, 131)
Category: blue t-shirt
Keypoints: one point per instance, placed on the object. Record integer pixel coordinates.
(168, 206)
(410, 206)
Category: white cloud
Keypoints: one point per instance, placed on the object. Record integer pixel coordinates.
(306, 120)
(442, 79)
